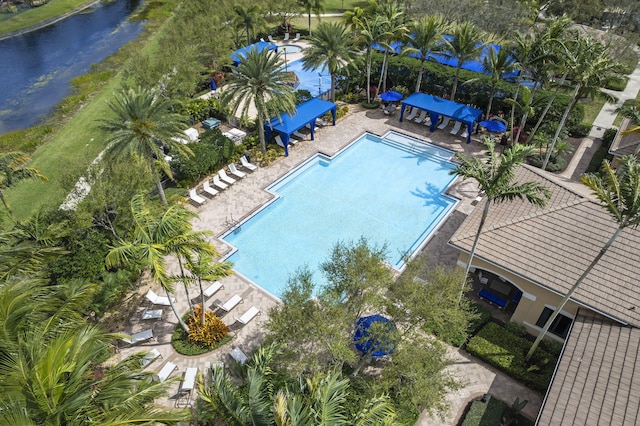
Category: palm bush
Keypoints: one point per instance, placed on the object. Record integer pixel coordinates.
(212, 332)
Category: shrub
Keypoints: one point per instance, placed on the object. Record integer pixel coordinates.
(515, 328)
(617, 84)
(484, 316)
(556, 164)
(485, 413)
(506, 351)
(580, 130)
(608, 137)
(212, 152)
(213, 330)
(552, 346)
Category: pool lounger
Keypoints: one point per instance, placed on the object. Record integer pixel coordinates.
(245, 318)
(229, 304)
(225, 178)
(213, 289)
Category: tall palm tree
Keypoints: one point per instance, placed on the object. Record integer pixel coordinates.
(590, 69)
(463, 46)
(155, 238)
(369, 30)
(249, 18)
(393, 30)
(309, 6)
(259, 82)
(619, 193)
(13, 169)
(497, 63)
(495, 176)
(143, 124)
(204, 268)
(331, 46)
(426, 39)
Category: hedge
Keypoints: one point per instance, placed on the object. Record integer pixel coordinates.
(487, 413)
(506, 351)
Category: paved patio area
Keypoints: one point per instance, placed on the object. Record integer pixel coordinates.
(247, 195)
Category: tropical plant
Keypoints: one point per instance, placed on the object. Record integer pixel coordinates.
(249, 18)
(369, 30)
(619, 193)
(495, 176)
(204, 268)
(464, 45)
(13, 169)
(314, 6)
(259, 82)
(425, 40)
(330, 46)
(497, 63)
(143, 124)
(155, 238)
(393, 29)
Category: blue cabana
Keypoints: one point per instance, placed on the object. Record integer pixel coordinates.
(306, 113)
(241, 54)
(438, 106)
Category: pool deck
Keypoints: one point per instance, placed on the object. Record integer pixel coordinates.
(248, 194)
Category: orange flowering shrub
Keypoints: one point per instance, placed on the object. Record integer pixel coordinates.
(213, 331)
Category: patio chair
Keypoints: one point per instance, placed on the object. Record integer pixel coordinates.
(456, 128)
(213, 289)
(321, 122)
(225, 178)
(246, 318)
(238, 355)
(151, 356)
(166, 371)
(297, 37)
(465, 133)
(286, 37)
(427, 121)
(218, 183)
(445, 123)
(278, 140)
(237, 173)
(299, 135)
(151, 314)
(159, 300)
(389, 109)
(246, 164)
(229, 304)
(421, 117)
(141, 336)
(271, 40)
(206, 187)
(188, 383)
(193, 195)
(412, 114)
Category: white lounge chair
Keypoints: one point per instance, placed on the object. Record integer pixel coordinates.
(192, 134)
(246, 164)
(421, 117)
(141, 336)
(237, 173)
(238, 355)
(427, 121)
(278, 140)
(151, 356)
(465, 133)
(229, 304)
(218, 183)
(271, 40)
(245, 318)
(238, 135)
(445, 123)
(389, 109)
(321, 122)
(412, 114)
(151, 314)
(195, 197)
(213, 289)
(225, 178)
(292, 142)
(456, 128)
(297, 37)
(159, 300)
(206, 187)
(299, 135)
(286, 37)
(166, 371)
(189, 380)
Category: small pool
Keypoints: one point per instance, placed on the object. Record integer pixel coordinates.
(317, 80)
(388, 189)
(290, 48)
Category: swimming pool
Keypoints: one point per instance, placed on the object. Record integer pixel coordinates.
(317, 81)
(388, 189)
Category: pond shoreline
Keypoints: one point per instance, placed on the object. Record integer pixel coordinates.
(49, 21)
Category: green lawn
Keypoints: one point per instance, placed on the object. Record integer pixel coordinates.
(10, 22)
(592, 109)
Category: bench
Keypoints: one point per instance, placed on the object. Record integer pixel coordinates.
(497, 300)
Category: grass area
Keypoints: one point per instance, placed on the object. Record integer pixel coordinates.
(592, 109)
(302, 22)
(338, 6)
(18, 21)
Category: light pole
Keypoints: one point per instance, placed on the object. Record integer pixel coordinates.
(286, 68)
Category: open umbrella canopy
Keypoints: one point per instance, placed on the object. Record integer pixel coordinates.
(391, 96)
(494, 126)
(372, 335)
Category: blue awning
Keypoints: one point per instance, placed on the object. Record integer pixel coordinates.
(241, 54)
(438, 106)
(306, 113)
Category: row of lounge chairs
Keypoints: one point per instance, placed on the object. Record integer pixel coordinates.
(221, 181)
(426, 120)
(285, 39)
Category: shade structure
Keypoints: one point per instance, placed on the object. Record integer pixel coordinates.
(377, 345)
(241, 54)
(494, 126)
(391, 96)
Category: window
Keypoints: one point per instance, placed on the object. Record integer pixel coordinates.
(560, 326)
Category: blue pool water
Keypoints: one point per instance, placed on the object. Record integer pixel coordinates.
(316, 81)
(389, 190)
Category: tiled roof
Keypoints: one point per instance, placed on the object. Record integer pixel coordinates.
(596, 380)
(552, 247)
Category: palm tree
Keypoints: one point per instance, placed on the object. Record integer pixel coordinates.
(204, 268)
(261, 82)
(619, 193)
(426, 39)
(497, 64)
(393, 29)
(331, 46)
(155, 238)
(13, 169)
(143, 124)
(311, 6)
(495, 177)
(463, 46)
(249, 18)
(370, 28)
(590, 69)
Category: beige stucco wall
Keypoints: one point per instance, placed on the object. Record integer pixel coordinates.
(534, 298)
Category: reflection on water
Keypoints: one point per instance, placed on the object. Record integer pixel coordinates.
(36, 67)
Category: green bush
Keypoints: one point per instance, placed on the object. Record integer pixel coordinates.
(608, 137)
(506, 351)
(580, 130)
(515, 328)
(209, 154)
(484, 316)
(617, 84)
(183, 346)
(487, 413)
(556, 164)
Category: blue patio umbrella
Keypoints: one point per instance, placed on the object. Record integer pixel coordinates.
(213, 85)
(494, 126)
(376, 346)
(391, 96)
